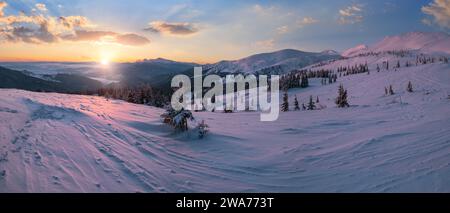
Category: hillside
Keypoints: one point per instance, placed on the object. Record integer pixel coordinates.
(425, 42)
(270, 63)
(399, 143)
(47, 83)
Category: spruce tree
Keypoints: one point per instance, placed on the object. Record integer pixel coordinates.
(297, 107)
(285, 105)
(341, 100)
(311, 105)
(409, 88)
(391, 91)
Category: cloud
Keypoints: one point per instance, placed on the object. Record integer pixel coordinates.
(107, 36)
(265, 44)
(440, 12)
(2, 6)
(40, 29)
(182, 11)
(261, 10)
(84, 35)
(174, 28)
(283, 29)
(41, 7)
(75, 21)
(131, 40)
(307, 21)
(351, 14)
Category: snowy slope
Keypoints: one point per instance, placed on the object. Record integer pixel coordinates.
(355, 50)
(426, 42)
(401, 143)
(283, 61)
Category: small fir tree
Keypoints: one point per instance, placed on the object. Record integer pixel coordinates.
(341, 100)
(297, 107)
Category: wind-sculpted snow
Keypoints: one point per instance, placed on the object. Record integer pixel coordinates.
(400, 143)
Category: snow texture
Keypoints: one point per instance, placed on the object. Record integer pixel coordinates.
(400, 143)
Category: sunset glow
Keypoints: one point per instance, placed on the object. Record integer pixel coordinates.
(105, 62)
(197, 31)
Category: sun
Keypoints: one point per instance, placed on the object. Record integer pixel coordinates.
(104, 62)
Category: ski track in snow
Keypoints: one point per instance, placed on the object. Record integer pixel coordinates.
(399, 143)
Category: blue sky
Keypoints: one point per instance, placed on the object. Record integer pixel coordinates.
(205, 31)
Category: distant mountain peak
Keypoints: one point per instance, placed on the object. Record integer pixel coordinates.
(426, 42)
(330, 52)
(354, 50)
(277, 62)
(157, 60)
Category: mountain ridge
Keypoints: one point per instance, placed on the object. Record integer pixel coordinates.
(426, 42)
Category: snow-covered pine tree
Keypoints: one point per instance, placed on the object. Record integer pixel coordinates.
(311, 104)
(409, 88)
(178, 119)
(285, 105)
(296, 105)
(391, 90)
(341, 100)
(203, 129)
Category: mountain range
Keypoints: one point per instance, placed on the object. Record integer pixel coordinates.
(274, 63)
(158, 72)
(425, 42)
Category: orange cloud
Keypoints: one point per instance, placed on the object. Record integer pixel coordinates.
(2, 6)
(440, 11)
(40, 28)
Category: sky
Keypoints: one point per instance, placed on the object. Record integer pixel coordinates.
(202, 31)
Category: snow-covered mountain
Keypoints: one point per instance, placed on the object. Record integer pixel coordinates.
(275, 62)
(382, 143)
(424, 42)
(355, 50)
(399, 143)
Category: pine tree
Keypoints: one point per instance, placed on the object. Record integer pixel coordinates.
(297, 107)
(304, 81)
(285, 105)
(391, 91)
(409, 88)
(178, 119)
(341, 100)
(317, 99)
(203, 129)
(311, 105)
